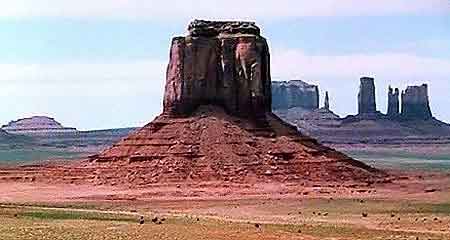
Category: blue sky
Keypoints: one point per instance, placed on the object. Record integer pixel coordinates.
(101, 64)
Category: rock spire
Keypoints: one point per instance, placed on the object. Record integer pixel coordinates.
(393, 103)
(327, 101)
(366, 96)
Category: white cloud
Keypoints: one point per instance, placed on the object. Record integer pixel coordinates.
(295, 63)
(82, 79)
(231, 9)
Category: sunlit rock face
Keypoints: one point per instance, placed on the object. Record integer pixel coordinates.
(219, 63)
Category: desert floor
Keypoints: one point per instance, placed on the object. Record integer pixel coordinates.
(416, 206)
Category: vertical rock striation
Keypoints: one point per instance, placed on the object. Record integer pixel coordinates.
(415, 103)
(294, 93)
(220, 63)
(366, 97)
(393, 103)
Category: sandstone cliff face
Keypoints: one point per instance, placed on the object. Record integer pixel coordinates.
(393, 103)
(366, 97)
(415, 103)
(221, 63)
(294, 93)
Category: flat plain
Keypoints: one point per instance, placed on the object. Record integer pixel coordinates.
(415, 206)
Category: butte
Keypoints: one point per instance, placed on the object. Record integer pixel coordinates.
(217, 123)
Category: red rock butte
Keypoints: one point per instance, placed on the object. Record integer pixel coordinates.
(217, 123)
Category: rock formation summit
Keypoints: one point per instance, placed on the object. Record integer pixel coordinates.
(217, 123)
(221, 63)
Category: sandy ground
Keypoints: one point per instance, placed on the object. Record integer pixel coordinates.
(417, 205)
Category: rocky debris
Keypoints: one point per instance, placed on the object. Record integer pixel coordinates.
(211, 145)
(327, 101)
(309, 122)
(36, 125)
(220, 63)
(366, 96)
(415, 103)
(294, 93)
(393, 103)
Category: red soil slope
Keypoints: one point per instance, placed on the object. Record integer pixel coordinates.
(213, 146)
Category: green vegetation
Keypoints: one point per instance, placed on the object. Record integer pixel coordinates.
(403, 160)
(14, 156)
(67, 215)
(343, 221)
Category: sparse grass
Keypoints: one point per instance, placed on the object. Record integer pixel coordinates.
(40, 224)
(64, 215)
(55, 214)
(20, 156)
(33, 223)
(402, 160)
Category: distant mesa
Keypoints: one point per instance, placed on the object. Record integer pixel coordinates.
(36, 125)
(294, 93)
(303, 111)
